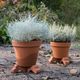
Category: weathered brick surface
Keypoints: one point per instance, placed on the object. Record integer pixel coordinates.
(48, 71)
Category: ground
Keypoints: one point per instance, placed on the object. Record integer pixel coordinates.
(48, 71)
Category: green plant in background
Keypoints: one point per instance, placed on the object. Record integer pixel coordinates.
(69, 12)
(51, 4)
(78, 32)
(45, 14)
(61, 11)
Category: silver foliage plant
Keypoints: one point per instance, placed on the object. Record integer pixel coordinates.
(62, 33)
(28, 29)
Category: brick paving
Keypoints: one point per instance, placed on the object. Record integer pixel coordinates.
(48, 71)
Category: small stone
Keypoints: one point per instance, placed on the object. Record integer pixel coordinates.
(56, 79)
(45, 78)
(73, 71)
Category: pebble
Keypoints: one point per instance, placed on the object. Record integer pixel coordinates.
(45, 78)
(73, 71)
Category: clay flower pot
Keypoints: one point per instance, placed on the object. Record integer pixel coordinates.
(61, 38)
(26, 53)
(27, 35)
(59, 51)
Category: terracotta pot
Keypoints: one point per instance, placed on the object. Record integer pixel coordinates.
(60, 50)
(26, 52)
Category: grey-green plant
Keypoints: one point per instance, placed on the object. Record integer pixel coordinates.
(59, 33)
(28, 29)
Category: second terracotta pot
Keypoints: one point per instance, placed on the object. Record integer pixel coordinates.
(60, 50)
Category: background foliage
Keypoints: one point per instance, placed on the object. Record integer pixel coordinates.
(61, 11)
